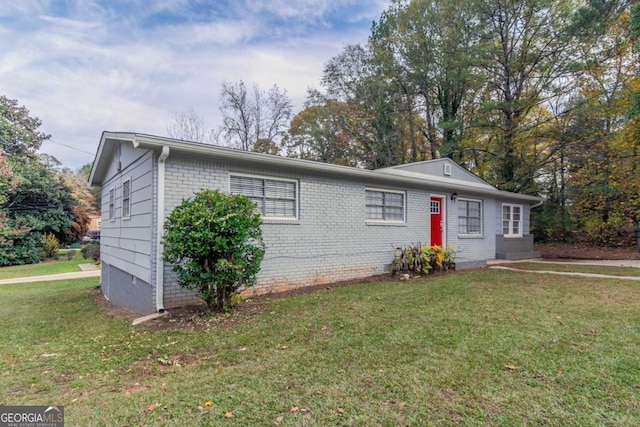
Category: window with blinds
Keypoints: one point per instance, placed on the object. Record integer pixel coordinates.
(385, 205)
(275, 198)
(469, 217)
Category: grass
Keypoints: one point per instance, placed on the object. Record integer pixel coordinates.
(475, 348)
(576, 268)
(62, 265)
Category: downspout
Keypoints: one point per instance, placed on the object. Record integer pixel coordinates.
(159, 231)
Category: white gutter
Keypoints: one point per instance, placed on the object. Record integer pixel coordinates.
(537, 204)
(159, 231)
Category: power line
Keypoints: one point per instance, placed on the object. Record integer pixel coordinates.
(69, 146)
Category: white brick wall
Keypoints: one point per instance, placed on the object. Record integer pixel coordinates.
(331, 240)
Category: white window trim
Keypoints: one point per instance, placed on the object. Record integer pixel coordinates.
(387, 221)
(128, 179)
(511, 206)
(272, 178)
(112, 214)
(447, 169)
(481, 234)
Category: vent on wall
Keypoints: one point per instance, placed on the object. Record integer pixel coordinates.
(447, 169)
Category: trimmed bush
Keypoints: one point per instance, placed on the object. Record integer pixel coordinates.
(215, 244)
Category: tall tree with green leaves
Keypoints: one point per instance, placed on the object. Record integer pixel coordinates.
(605, 183)
(20, 136)
(434, 44)
(528, 60)
(35, 200)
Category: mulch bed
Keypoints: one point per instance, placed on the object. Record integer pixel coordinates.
(583, 251)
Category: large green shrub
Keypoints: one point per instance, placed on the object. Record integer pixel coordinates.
(215, 244)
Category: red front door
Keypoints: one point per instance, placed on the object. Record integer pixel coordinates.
(437, 225)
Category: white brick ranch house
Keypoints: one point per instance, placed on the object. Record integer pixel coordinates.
(321, 223)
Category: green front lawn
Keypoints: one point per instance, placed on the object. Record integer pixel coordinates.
(575, 268)
(483, 347)
(62, 265)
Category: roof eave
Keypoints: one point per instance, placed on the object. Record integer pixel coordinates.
(229, 154)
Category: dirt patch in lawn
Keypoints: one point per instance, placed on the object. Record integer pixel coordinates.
(582, 251)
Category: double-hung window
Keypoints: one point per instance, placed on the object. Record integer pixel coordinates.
(511, 220)
(469, 217)
(112, 204)
(276, 198)
(126, 199)
(383, 205)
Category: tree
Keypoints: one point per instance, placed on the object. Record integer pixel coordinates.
(325, 133)
(376, 121)
(529, 58)
(189, 126)
(433, 46)
(215, 244)
(86, 197)
(604, 183)
(19, 134)
(43, 202)
(256, 120)
(34, 201)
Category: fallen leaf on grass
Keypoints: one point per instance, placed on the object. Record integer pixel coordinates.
(151, 408)
(208, 403)
(559, 372)
(228, 415)
(294, 409)
(341, 411)
(200, 408)
(510, 367)
(278, 421)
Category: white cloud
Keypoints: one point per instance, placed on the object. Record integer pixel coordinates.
(96, 69)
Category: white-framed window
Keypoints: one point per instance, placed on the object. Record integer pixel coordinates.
(469, 216)
(126, 199)
(385, 205)
(112, 204)
(434, 207)
(276, 198)
(511, 220)
(447, 169)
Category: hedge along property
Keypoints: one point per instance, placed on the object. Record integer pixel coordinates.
(321, 223)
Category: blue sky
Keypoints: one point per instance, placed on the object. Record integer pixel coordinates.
(84, 66)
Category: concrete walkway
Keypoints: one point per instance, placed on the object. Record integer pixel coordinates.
(88, 270)
(503, 265)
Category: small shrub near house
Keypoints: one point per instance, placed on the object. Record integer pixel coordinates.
(91, 251)
(215, 244)
(423, 259)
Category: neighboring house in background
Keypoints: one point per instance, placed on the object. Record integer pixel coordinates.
(321, 223)
(94, 222)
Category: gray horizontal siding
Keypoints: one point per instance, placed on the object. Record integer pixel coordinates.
(126, 243)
